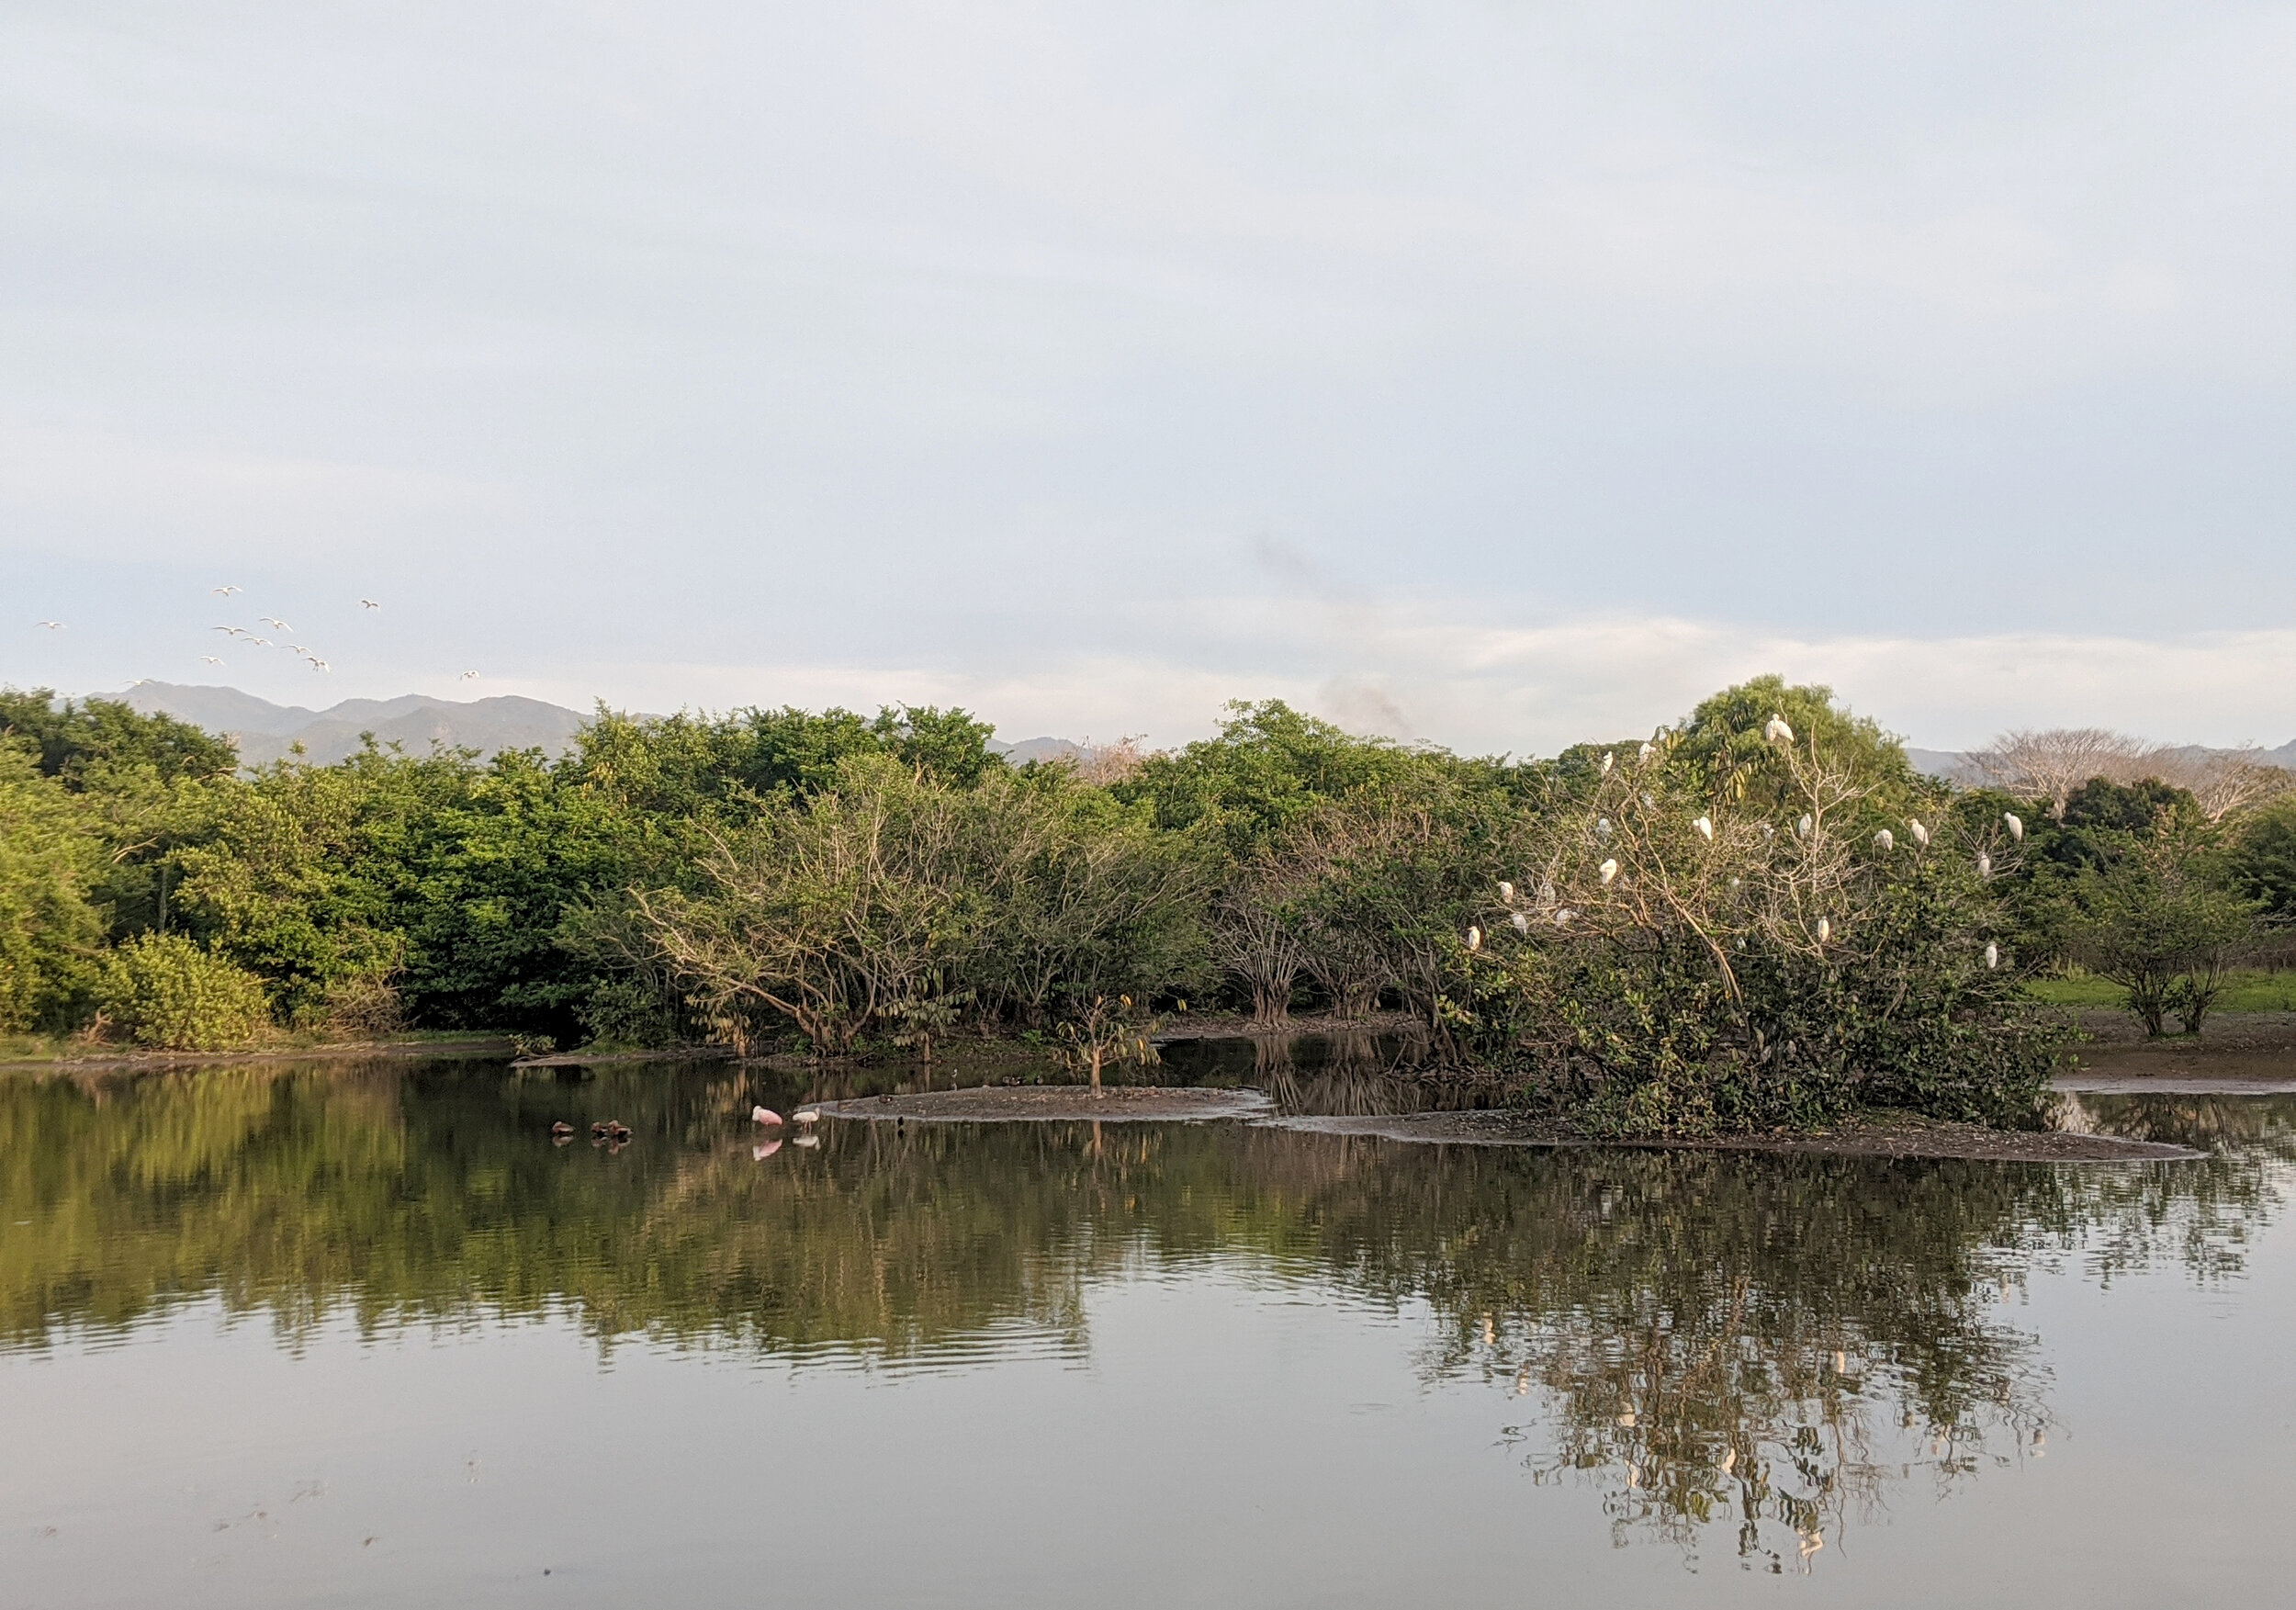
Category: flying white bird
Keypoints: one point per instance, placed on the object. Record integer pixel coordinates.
(223, 591)
(209, 659)
(1522, 922)
(1921, 834)
(368, 603)
(50, 625)
(1705, 829)
(2016, 825)
(1884, 842)
(297, 648)
(470, 676)
(1825, 931)
(275, 621)
(1778, 732)
(320, 665)
(1506, 892)
(227, 631)
(1609, 870)
(260, 642)
(1474, 939)
(1992, 955)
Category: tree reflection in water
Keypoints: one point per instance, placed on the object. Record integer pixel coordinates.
(1770, 1344)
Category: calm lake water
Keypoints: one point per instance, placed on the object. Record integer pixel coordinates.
(365, 1336)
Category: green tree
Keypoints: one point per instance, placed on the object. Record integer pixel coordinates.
(166, 991)
(50, 862)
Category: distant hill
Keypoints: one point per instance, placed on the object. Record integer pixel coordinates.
(265, 731)
(1955, 767)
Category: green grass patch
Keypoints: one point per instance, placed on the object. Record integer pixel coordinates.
(2247, 992)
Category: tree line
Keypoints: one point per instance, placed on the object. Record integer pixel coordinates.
(1759, 914)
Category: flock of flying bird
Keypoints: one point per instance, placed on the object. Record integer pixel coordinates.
(254, 642)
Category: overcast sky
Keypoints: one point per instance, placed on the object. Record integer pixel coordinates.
(1496, 374)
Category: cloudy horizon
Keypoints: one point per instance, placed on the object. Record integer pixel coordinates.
(1495, 379)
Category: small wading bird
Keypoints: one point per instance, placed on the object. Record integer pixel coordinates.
(764, 1115)
(1985, 864)
(1921, 834)
(1506, 892)
(1992, 955)
(807, 1115)
(1802, 826)
(1825, 931)
(1609, 870)
(1705, 829)
(1778, 732)
(1608, 759)
(1474, 939)
(2016, 825)
(1884, 842)
(1644, 754)
(1522, 921)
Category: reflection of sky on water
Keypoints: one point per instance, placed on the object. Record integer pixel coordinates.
(1201, 1363)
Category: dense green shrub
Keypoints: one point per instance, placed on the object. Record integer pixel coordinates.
(163, 990)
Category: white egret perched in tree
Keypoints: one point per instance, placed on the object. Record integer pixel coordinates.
(1985, 864)
(1705, 829)
(1644, 754)
(1607, 758)
(1777, 731)
(1609, 870)
(1884, 842)
(2016, 825)
(1522, 921)
(1563, 914)
(1992, 955)
(1825, 929)
(1802, 829)
(1506, 892)
(1921, 834)
(1602, 827)
(1474, 937)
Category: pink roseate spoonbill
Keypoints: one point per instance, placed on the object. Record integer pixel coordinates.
(764, 1115)
(760, 1154)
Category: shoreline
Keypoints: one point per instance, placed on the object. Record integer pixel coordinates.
(1889, 1137)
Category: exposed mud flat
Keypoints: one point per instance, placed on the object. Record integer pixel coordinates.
(1063, 1103)
(1910, 1137)
(1891, 1138)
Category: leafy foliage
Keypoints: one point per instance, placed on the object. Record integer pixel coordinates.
(166, 991)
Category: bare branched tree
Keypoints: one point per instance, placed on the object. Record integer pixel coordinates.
(2050, 764)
